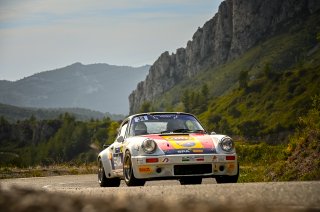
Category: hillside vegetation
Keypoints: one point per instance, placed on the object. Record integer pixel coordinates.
(262, 93)
(303, 150)
(33, 142)
(267, 99)
(13, 113)
(267, 105)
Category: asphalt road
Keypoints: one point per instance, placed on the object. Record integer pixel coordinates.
(287, 195)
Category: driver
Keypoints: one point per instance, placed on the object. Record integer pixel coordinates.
(140, 128)
(175, 124)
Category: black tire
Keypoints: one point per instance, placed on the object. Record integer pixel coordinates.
(129, 177)
(103, 180)
(228, 179)
(190, 180)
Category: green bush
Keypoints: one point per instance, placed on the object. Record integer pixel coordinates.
(303, 150)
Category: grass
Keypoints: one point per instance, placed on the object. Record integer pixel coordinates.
(254, 160)
(252, 173)
(53, 170)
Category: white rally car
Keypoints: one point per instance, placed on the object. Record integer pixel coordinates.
(153, 146)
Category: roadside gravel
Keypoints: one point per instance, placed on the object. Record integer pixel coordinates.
(83, 194)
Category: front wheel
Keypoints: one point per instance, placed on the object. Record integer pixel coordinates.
(128, 172)
(103, 180)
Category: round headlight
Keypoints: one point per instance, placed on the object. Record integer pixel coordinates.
(227, 144)
(149, 146)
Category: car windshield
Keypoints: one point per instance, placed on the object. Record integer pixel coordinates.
(164, 123)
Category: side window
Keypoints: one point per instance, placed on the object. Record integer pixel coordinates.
(131, 130)
(123, 129)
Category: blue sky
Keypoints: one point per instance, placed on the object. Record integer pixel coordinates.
(41, 35)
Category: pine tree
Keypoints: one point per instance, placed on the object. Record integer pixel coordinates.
(243, 79)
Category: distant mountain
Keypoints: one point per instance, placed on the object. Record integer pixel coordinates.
(99, 87)
(14, 113)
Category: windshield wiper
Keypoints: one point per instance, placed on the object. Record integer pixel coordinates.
(183, 131)
(176, 131)
(198, 131)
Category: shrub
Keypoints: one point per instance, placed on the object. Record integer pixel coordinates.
(243, 79)
(250, 128)
(303, 150)
(234, 112)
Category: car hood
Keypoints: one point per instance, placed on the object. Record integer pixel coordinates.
(184, 143)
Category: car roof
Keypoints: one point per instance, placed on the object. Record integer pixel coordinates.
(154, 113)
(158, 113)
(129, 118)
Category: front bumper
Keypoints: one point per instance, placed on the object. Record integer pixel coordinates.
(177, 166)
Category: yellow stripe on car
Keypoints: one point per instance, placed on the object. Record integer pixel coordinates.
(183, 142)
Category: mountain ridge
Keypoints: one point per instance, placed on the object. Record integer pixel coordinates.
(86, 86)
(14, 113)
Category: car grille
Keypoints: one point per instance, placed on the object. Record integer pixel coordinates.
(192, 169)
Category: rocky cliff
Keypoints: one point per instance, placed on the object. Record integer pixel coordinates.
(237, 27)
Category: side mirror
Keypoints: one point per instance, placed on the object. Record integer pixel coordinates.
(120, 139)
(213, 133)
(105, 146)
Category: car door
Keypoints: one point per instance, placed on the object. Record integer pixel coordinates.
(117, 152)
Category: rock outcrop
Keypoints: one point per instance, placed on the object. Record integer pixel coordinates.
(237, 27)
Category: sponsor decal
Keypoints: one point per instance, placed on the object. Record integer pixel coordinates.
(184, 151)
(141, 118)
(230, 167)
(197, 150)
(145, 169)
(183, 141)
(165, 160)
(215, 168)
(178, 138)
(214, 158)
(117, 161)
(117, 150)
(186, 144)
(110, 156)
(112, 164)
(192, 158)
(136, 147)
(199, 158)
(187, 151)
(218, 158)
(140, 161)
